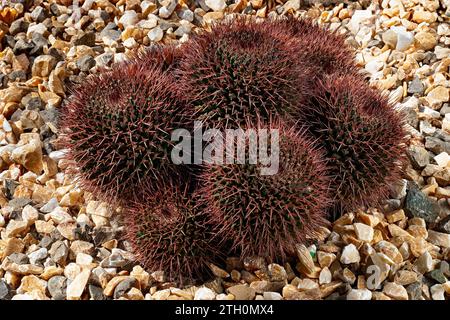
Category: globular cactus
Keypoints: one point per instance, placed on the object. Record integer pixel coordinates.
(362, 135)
(171, 231)
(318, 46)
(242, 70)
(266, 215)
(116, 127)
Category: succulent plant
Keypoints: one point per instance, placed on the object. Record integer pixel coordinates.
(165, 57)
(325, 50)
(362, 135)
(242, 70)
(266, 215)
(116, 127)
(171, 231)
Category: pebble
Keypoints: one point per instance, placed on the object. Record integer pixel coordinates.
(424, 263)
(156, 34)
(437, 292)
(204, 294)
(4, 290)
(129, 18)
(124, 286)
(242, 292)
(350, 254)
(419, 205)
(395, 291)
(439, 238)
(216, 5)
(57, 287)
(363, 232)
(76, 287)
(359, 294)
(325, 276)
(272, 296)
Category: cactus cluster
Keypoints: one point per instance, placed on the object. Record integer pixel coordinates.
(340, 142)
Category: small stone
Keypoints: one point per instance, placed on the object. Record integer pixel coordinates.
(325, 276)
(156, 34)
(426, 40)
(29, 214)
(242, 292)
(306, 262)
(59, 252)
(166, 11)
(4, 290)
(86, 63)
(134, 294)
(204, 294)
(76, 287)
(272, 296)
(38, 255)
(442, 159)
(31, 283)
(87, 39)
(439, 238)
(437, 292)
(395, 291)
(350, 254)
(17, 26)
(416, 86)
(418, 205)
(325, 258)
(44, 227)
(15, 228)
(359, 294)
(424, 263)
(216, 5)
(210, 17)
(390, 38)
(112, 284)
(404, 39)
(420, 16)
(277, 272)
(57, 287)
(78, 246)
(363, 232)
(419, 156)
(43, 65)
(124, 286)
(437, 275)
(129, 18)
(307, 284)
(438, 95)
(405, 277)
(414, 291)
(444, 225)
(96, 293)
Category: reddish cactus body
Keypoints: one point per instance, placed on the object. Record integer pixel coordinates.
(241, 70)
(117, 128)
(363, 138)
(267, 215)
(171, 231)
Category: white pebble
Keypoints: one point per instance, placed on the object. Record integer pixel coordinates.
(442, 159)
(204, 294)
(350, 254)
(359, 294)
